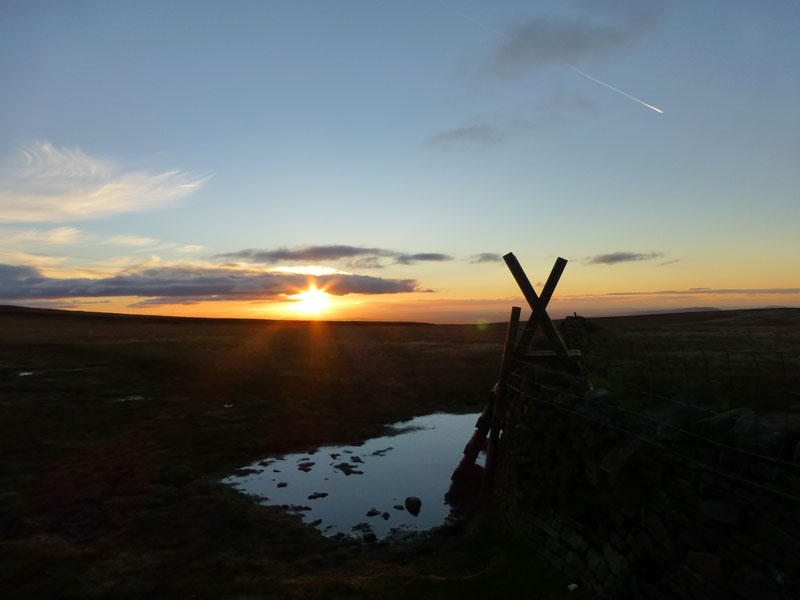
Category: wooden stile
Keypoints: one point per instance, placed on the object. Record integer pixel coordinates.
(499, 405)
(538, 304)
(491, 420)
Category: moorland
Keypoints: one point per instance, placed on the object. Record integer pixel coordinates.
(116, 430)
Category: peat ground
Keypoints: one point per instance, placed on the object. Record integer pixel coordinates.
(115, 433)
(115, 430)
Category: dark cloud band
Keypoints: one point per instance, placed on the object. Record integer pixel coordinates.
(24, 282)
(484, 257)
(306, 253)
(356, 255)
(619, 257)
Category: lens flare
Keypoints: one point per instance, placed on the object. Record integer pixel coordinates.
(310, 301)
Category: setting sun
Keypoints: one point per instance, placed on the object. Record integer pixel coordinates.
(311, 301)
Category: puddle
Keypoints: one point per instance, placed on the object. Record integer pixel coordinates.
(355, 490)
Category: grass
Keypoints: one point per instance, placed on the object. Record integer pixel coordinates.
(105, 498)
(114, 445)
(728, 359)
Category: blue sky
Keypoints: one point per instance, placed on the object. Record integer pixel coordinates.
(144, 141)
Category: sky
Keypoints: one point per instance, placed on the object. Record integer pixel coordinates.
(225, 159)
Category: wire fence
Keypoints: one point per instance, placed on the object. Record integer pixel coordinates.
(766, 381)
(735, 414)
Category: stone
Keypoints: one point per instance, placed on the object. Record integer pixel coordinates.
(317, 495)
(573, 539)
(616, 561)
(614, 462)
(751, 582)
(597, 565)
(708, 566)
(282, 484)
(720, 425)
(348, 469)
(655, 527)
(413, 505)
(373, 512)
(722, 512)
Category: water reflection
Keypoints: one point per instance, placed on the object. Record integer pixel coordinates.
(356, 490)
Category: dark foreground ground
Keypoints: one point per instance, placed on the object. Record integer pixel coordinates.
(111, 449)
(101, 497)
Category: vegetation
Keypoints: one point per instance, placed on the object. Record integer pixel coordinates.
(116, 430)
(114, 444)
(727, 359)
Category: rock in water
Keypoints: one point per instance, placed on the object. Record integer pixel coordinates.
(413, 504)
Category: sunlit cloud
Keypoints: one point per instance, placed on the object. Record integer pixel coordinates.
(46, 183)
(305, 270)
(190, 249)
(11, 256)
(614, 258)
(57, 236)
(131, 240)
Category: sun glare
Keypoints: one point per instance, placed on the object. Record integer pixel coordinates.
(310, 301)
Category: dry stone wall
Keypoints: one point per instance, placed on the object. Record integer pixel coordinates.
(675, 503)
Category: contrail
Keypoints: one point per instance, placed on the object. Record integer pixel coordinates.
(578, 71)
(611, 87)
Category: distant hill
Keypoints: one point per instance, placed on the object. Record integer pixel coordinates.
(8, 310)
(665, 311)
(763, 317)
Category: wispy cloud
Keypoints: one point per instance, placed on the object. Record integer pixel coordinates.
(484, 257)
(27, 258)
(600, 30)
(305, 253)
(131, 240)
(483, 134)
(586, 30)
(356, 256)
(191, 248)
(189, 281)
(50, 184)
(57, 236)
(620, 257)
(541, 113)
(410, 259)
(669, 262)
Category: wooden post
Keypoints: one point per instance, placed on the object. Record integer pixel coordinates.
(498, 410)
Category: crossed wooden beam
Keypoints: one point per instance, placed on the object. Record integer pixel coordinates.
(491, 420)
